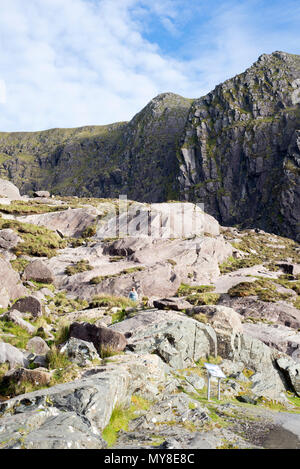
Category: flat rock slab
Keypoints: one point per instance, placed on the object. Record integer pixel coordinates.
(282, 338)
(70, 222)
(277, 313)
(16, 317)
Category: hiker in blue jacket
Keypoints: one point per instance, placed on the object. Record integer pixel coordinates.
(133, 296)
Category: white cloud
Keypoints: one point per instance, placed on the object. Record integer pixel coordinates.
(2, 92)
(68, 63)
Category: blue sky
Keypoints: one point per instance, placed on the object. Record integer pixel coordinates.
(67, 63)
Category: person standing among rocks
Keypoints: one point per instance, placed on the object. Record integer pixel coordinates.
(133, 296)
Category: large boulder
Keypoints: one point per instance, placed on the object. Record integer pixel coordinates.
(177, 339)
(43, 194)
(37, 345)
(39, 376)
(291, 370)
(9, 190)
(80, 352)
(175, 304)
(12, 355)
(10, 284)
(39, 272)
(8, 239)
(104, 339)
(29, 304)
(221, 318)
(163, 220)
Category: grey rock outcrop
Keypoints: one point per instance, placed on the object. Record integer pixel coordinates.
(178, 340)
(9, 190)
(12, 355)
(11, 287)
(80, 352)
(39, 272)
(8, 239)
(230, 156)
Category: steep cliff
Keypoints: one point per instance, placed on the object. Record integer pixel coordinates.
(237, 150)
(241, 148)
(136, 158)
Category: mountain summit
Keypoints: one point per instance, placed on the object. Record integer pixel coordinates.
(237, 150)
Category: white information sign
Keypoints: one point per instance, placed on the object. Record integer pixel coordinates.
(214, 370)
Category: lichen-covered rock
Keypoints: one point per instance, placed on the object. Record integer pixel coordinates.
(291, 370)
(29, 304)
(8, 239)
(177, 339)
(49, 429)
(39, 272)
(103, 338)
(80, 352)
(37, 345)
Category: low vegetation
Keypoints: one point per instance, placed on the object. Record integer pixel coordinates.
(38, 241)
(81, 266)
(185, 290)
(121, 417)
(106, 301)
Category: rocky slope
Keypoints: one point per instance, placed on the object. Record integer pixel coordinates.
(102, 161)
(236, 150)
(81, 366)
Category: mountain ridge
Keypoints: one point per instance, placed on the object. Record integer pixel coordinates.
(237, 150)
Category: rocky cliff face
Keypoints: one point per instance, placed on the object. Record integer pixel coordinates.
(237, 150)
(136, 158)
(241, 155)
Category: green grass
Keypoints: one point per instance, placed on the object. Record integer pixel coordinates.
(19, 264)
(64, 304)
(201, 299)
(89, 232)
(100, 279)
(264, 253)
(185, 289)
(20, 336)
(81, 266)
(107, 301)
(264, 288)
(29, 208)
(38, 241)
(121, 417)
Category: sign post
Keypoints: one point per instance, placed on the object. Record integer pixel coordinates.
(215, 372)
